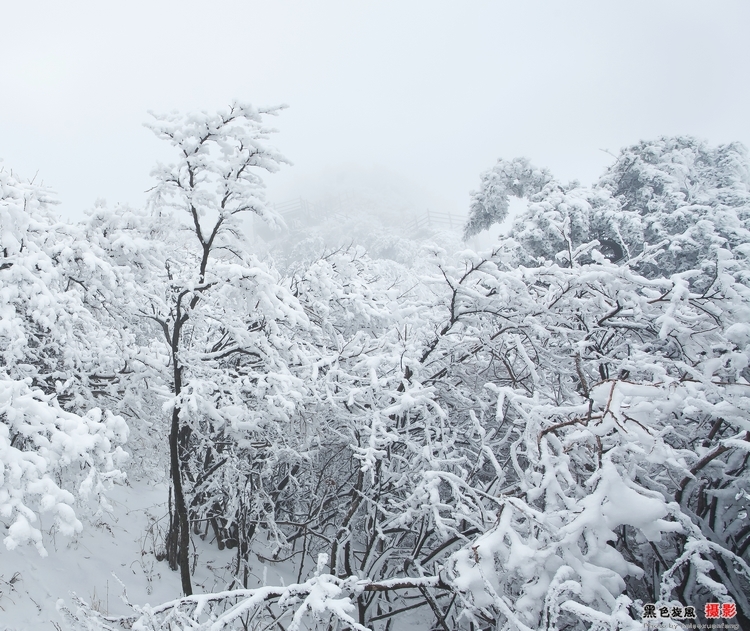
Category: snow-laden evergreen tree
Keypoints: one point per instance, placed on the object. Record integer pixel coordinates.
(685, 192)
(678, 192)
(517, 178)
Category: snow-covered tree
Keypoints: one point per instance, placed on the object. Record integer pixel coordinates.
(620, 382)
(546, 436)
(517, 178)
(653, 349)
(674, 191)
(685, 192)
(218, 314)
(58, 448)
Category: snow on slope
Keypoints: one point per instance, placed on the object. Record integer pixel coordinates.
(118, 545)
(114, 551)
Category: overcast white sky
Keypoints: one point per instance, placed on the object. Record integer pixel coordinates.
(425, 92)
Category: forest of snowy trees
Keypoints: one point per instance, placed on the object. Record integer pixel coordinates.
(549, 435)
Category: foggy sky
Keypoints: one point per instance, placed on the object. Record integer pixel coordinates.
(419, 95)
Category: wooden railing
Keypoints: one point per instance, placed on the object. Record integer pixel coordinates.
(436, 221)
(300, 209)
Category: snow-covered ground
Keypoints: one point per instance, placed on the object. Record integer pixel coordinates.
(112, 552)
(114, 549)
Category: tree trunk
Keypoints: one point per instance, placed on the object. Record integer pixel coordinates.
(178, 538)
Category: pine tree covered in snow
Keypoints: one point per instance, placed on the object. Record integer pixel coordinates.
(677, 192)
(693, 196)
